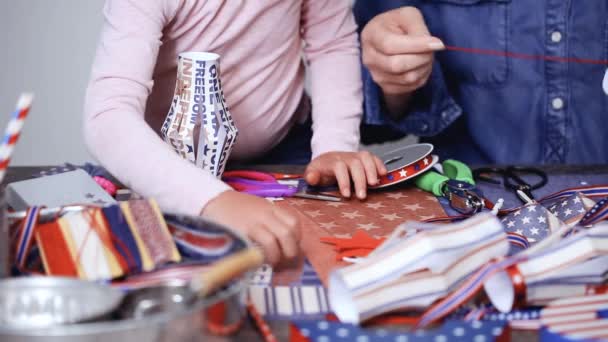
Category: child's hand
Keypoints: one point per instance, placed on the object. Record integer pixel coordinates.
(275, 229)
(332, 167)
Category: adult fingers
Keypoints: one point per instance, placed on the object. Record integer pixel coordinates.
(395, 64)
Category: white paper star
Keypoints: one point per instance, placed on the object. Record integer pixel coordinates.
(413, 207)
(564, 203)
(391, 217)
(426, 161)
(567, 212)
(577, 200)
(376, 205)
(531, 208)
(403, 173)
(525, 220)
(517, 213)
(328, 225)
(582, 210)
(367, 226)
(534, 231)
(313, 213)
(520, 232)
(541, 219)
(351, 215)
(396, 195)
(511, 224)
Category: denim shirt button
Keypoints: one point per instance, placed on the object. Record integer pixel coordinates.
(424, 127)
(557, 103)
(556, 36)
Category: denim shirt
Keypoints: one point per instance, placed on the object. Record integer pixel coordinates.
(494, 109)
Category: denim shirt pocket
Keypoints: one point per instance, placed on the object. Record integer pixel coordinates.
(474, 24)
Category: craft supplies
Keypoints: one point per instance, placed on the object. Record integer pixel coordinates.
(199, 125)
(561, 270)
(456, 184)
(412, 272)
(105, 243)
(405, 163)
(267, 185)
(513, 179)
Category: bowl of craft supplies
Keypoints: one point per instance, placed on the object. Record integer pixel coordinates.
(125, 272)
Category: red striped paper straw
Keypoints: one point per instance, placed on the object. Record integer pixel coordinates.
(13, 131)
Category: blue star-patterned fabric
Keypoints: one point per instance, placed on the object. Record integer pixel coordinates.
(451, 330)
(533, 221)
(572, 209)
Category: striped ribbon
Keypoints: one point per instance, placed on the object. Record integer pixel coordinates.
(288, 302)
(465, 292)
(599, 212)
(582, 318)
(26, 235)
(13, 131)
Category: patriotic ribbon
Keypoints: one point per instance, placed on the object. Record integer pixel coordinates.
(26, 235)
(598, 213)
(452, 330)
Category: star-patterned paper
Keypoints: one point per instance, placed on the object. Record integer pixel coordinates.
(572, 209)
(378, 215)
(533, 221)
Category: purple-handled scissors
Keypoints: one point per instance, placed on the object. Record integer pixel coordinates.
(258, 184)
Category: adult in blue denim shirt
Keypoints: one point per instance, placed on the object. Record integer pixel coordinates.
(488, 109)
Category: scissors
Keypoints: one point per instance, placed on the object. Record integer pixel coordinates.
(512, 179)
(456, 184)
(266, 185)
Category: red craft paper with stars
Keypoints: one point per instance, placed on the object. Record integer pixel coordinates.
(379, 215)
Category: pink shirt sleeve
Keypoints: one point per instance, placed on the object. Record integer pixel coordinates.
(332, 52)
(115, 130)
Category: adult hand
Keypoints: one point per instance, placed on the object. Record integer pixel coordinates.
(339, 167)
(276, 230)
(398, 51)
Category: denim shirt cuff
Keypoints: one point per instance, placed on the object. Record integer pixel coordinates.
(431, 110)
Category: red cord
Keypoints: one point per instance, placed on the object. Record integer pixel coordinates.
(526, 56)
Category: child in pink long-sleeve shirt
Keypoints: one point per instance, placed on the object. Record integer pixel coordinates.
(261, 43)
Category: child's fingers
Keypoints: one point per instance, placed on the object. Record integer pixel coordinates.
(290, 220)
(268, 243)
(382, 171)
(357, 172)
(370, 167)
(284, 235)
(342, 178)
(312, 176)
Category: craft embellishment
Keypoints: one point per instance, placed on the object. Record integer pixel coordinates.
(583, 318)
(199, 125)
(103, 244)
(405, 163)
